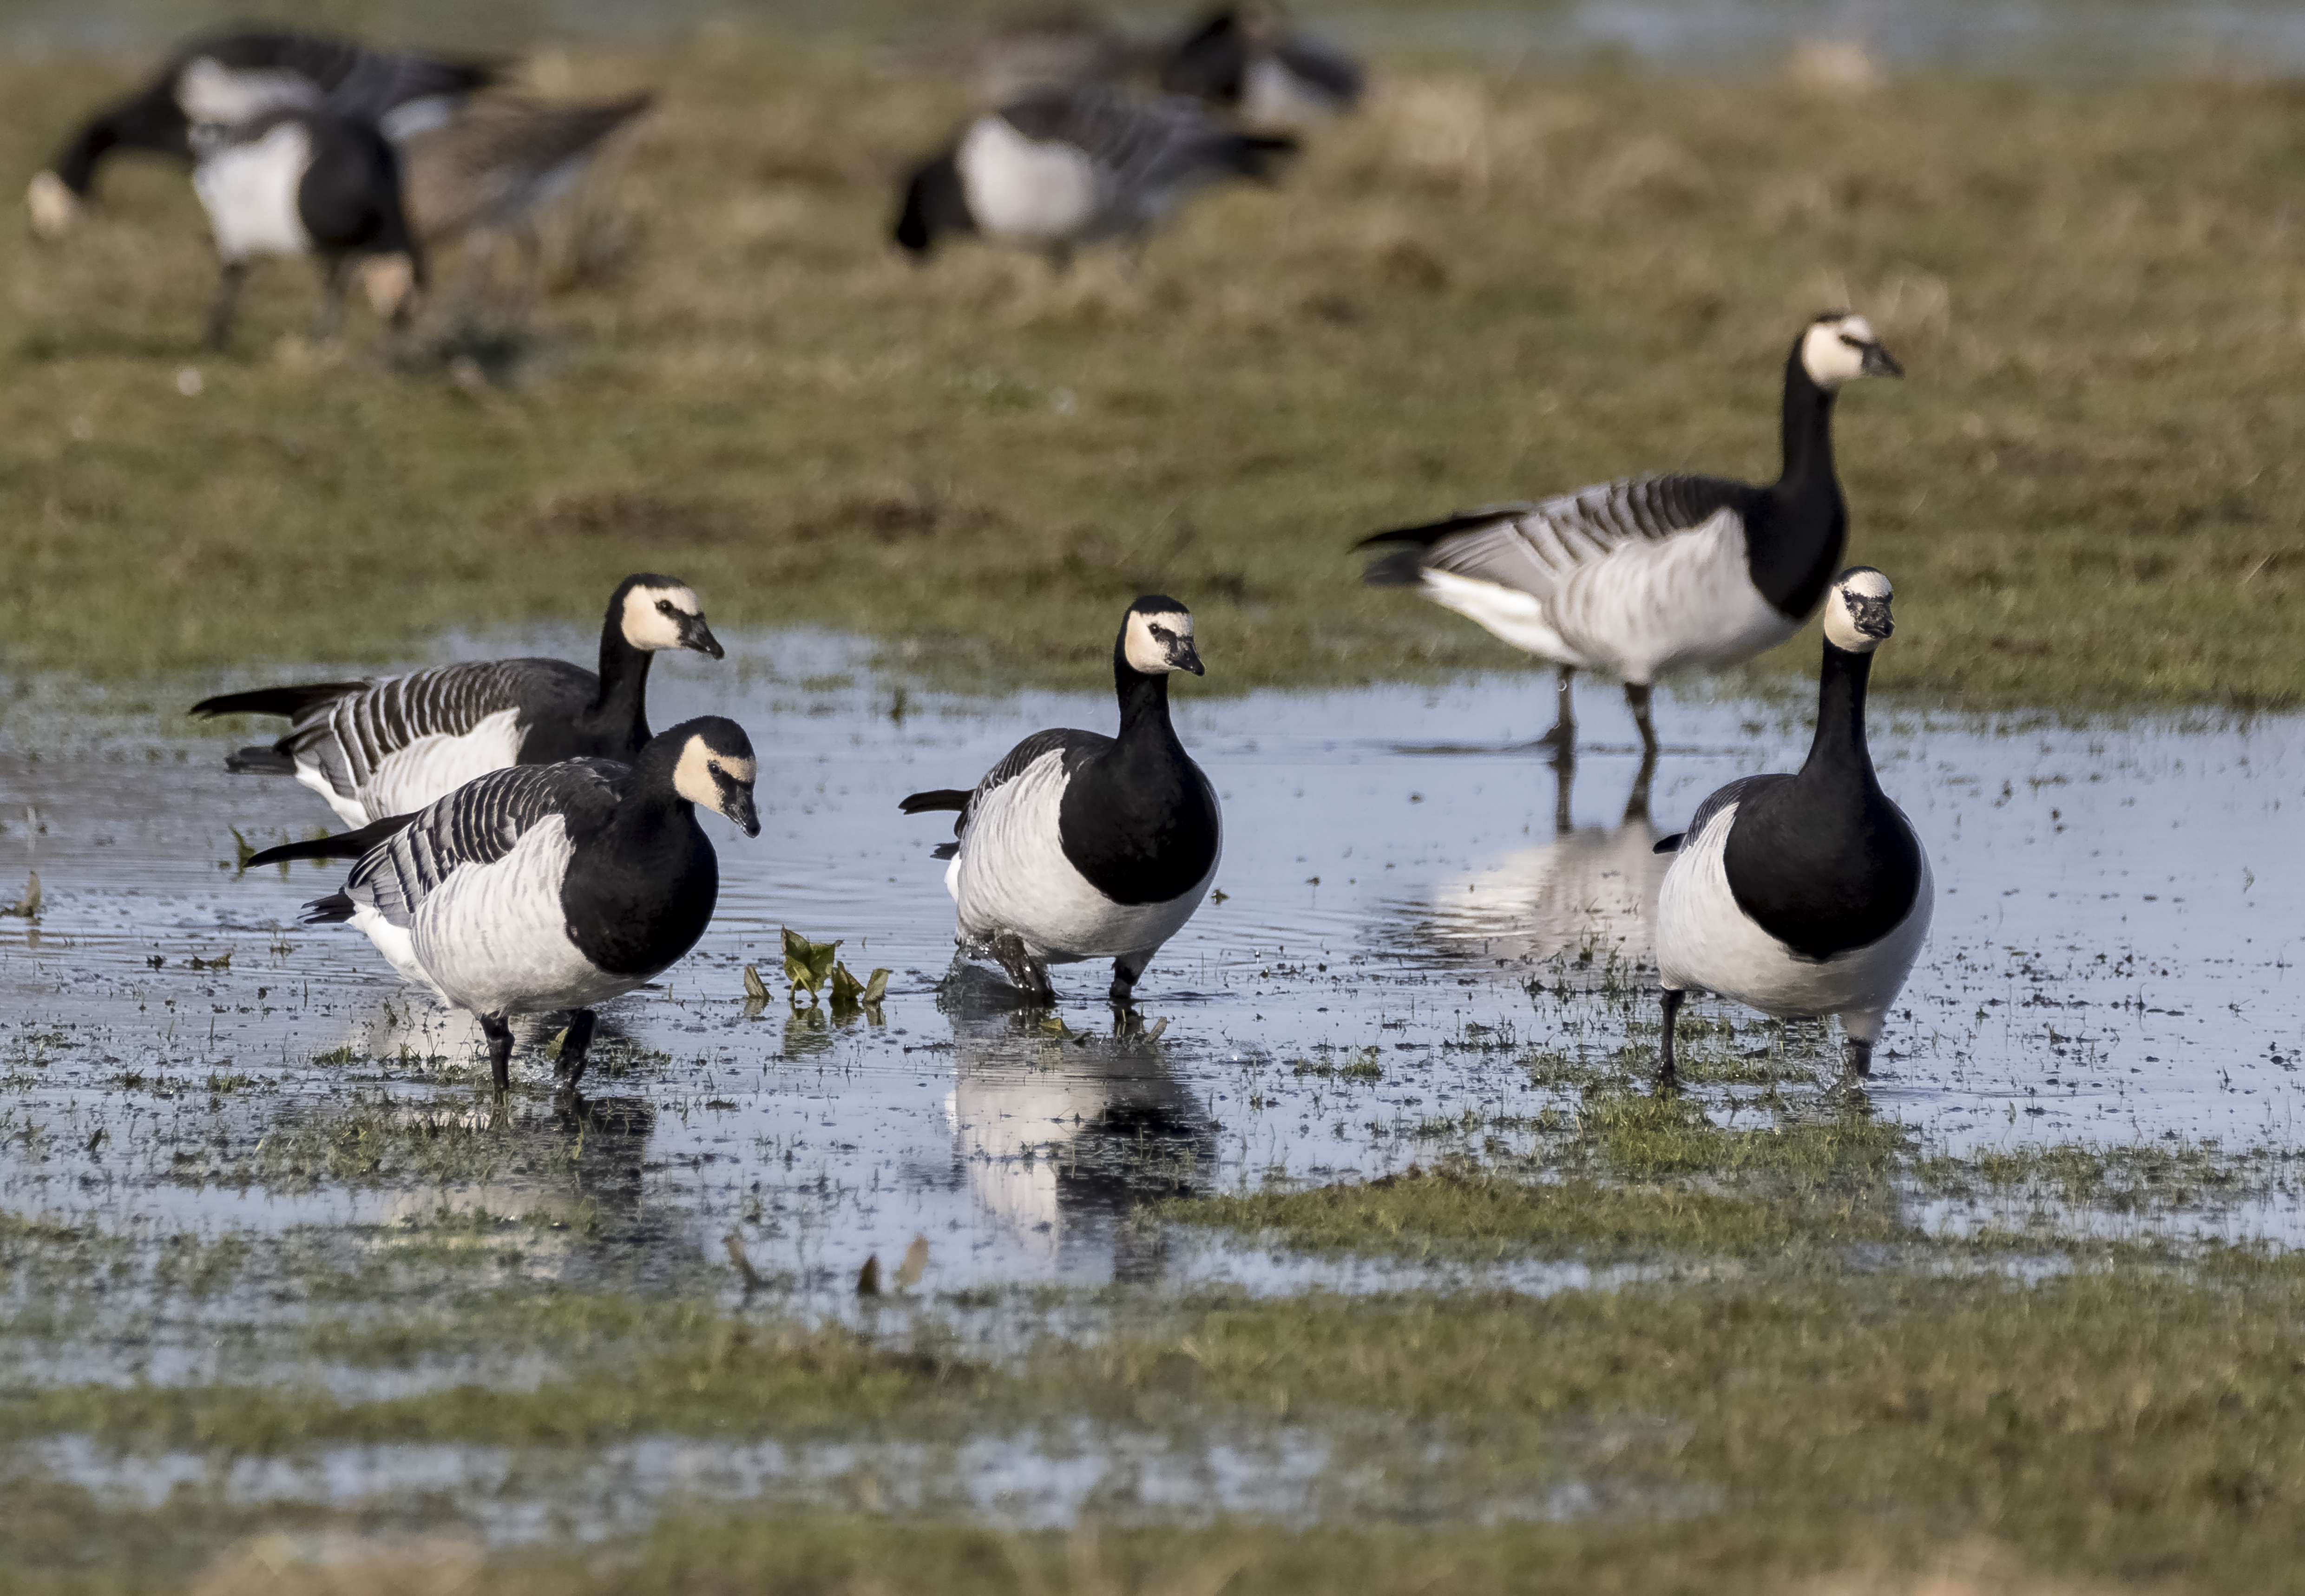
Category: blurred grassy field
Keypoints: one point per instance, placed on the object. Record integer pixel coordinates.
(1489, 286)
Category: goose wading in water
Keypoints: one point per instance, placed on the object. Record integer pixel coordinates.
(1654, 575)
(549, 887)
(1805, 894)
(390, 747)
(230, 78)
(1080, 846)
(1076, 165)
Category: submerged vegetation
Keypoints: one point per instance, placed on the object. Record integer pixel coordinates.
(1494, 283)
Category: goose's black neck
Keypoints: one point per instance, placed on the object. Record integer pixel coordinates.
(1839, 762)
(1797, 532)
(149, 119)
(1136, 819)
(622, 700)
(1144, 703)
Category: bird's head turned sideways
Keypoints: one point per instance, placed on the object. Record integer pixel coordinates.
(1838, 346)
(715, 768)
(934, 203)
(1857, 610)
(1157, 637)
(661, 612)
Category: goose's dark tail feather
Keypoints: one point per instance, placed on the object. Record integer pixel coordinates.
(332, 910)
(1668, 844)
(1402, 568)
(345, 845)
(921, 803)
(1253, 154)
(266, 760)
(291, 702)
(944, 849)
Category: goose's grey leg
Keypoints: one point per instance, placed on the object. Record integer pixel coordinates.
(1126, 972)
(230, 276)
(1636, 802)
(1565, 779)
(574, 1046)
(1636, 698)
(1668, 1077)
(1563, 734)
(336, 279)
(499, 1034)
(1859, 1055)
(1030, 975)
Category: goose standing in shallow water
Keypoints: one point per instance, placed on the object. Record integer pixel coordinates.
(560, 886)
(1803, 895)
(1070, 165)
(230, 78)
(1080, 846)
(1653, 574)
(390, 747)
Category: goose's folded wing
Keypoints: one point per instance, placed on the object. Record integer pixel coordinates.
(478, 824)
(1735, 792)
(1073, 745)
(1533, 548)
(354, 735)
(1136, 142)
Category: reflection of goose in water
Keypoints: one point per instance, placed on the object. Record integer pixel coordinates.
(1596, 886)
(1059, 1135)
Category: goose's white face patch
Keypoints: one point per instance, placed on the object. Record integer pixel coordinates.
(1856, 611)
(652, 615)
(722, 782)
(1833, 351)
(1149, 638)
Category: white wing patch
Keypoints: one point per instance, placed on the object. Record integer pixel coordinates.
(1017, 187)
(249, 193)
(1705, 940)
(1011, 875)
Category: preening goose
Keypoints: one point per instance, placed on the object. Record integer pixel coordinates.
(307, 183)
(1069, 165)
(1809, 894)
(1654, 575)
(560, 886)
(232, 77)
(1082, 847)
(1245, 58)
(390, 747)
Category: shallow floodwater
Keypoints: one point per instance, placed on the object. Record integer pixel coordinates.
(2111, 960)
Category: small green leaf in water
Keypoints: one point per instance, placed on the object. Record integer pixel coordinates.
(756, 990)
(808, 965)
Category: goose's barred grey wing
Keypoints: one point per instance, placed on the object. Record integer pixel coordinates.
(1735, 792)
(1533, 547)
(354, 79)
(1141, 145)
(1013, 764)
(478, 823)
(354, 735)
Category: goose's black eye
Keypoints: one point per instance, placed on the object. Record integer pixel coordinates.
(1852, 342)
(664, 606)
(1160, 634)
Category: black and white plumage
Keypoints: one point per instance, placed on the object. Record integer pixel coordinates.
(1803, 895)
(310, 183)
(390, 747)
(1075, 165)
(493, 167)
(1080, 846)
(1649, 575)
(230, 78)
(1246, 59)
(553, 887)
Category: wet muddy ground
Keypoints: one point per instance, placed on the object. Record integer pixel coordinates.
(1422, 946)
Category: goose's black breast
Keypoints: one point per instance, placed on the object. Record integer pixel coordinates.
(1142, 832)
(634, 905)
(1821, 879)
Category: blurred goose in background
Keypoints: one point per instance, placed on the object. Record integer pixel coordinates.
(551, 888)
(232, 77)
(310, 183)
(1651, 575)
(390, 747)
(1245, 59)
(1804, 895)
(1062, 167)
(1052, 49)
(1080, 846)
(493, 168)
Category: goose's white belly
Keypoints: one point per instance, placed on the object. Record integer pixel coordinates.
(1704, 940)
(249, 193)
(1687, 602)
(1019, 189)
(1011, 875)
(494, 938)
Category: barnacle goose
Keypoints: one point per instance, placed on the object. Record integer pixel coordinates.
(1082, 847)
(549, 887)
(493, 167)
(1809, 894)
(1651, 575)
(232, 77)
(390, 747)
(1244, 59)
(1073, 165)
(293, 182)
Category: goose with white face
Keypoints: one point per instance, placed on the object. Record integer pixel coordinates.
(1159, 644)
(1839, 347)
(671, 617)
(719, 778)
(1856, 613)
